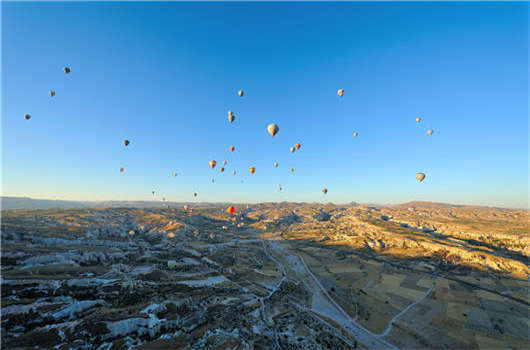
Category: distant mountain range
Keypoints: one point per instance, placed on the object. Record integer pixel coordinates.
(30, 203)
(8, 203)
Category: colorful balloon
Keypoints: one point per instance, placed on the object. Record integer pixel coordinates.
(126, 142)
(66, 70)
(240, 93)
(212, 163)
(231, 210)
(429, 131)
(340, 92)
(297, 146)
(232, 149)
(52, 93)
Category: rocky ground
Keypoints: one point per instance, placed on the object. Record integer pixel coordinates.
(289, 276)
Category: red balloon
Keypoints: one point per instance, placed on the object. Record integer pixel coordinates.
(297, 146)
(212, 163)
(231, 210)
(232, 149)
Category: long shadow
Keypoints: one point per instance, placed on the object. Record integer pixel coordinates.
(447, 269)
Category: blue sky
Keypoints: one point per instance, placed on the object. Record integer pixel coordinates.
(164, 75)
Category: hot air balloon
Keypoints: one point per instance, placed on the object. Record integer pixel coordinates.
(275, 165)
(186, 207)
(212, 235)
(232, 149)
(66, 70)
(252, 170)
(420, 176)
(292, 170)
(324, 190)
(221, 169)
(163, 198)
(121, 170)
(153, 192)
(224, 162)
(429, 131)
(194, 194)
(292, 149)
(212, 163)
(171, 235)
(279, 187)
(273, 129)
(355, 134)
(418, 119)
(230, 210)
(340, 92)
(297, 146)
(233, 172)
(131, 232)
(240, 93)
(52, 93)
(213, 180)
(126, 143)
(231, 116)
(175, 175)
(27, 116)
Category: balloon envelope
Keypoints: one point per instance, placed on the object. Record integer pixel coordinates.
(252, 170)
(66, 70)
(121, 170)
(126, 142)
(27, 116)
(420, 176)
(232, 149)
(240, 93)
(297, 146)
(212, 163)
(418, 120)
(273, 129)
(275, 165)
(325, 190)
(231, 210)
(429, 131)
(355, 134)
(52, 93)
(292, 149)
(340, 92)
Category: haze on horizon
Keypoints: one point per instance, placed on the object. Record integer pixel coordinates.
(165, 74)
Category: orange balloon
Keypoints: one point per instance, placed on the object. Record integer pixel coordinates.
(212, 163)
(232, 149)
(297, 146)
(252, 170)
